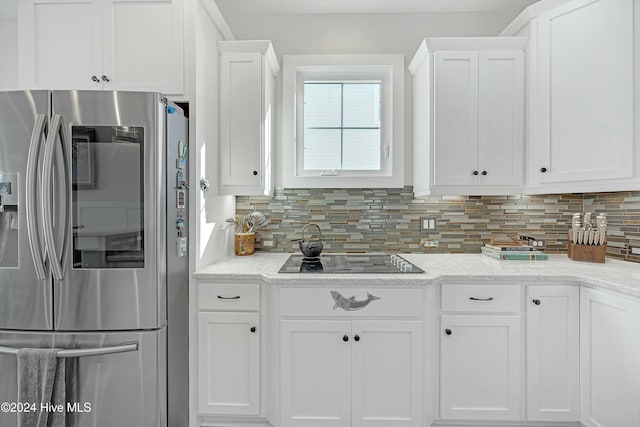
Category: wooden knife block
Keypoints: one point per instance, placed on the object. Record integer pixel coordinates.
(589, 253)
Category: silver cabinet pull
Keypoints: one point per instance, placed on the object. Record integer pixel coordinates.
(481, 299)
(81, 352)
(39, 130)
(221, 297)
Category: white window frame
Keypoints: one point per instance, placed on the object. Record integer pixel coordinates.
(389, 69)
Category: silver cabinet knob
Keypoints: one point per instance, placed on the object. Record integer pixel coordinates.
(95, 79)
(105, 78)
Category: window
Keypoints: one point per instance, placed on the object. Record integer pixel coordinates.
(342, 126)
(342, 121)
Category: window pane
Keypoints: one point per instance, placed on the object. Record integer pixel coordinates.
(361, 149)
(322, 149)
(322, 105)
(107, 171)
(361, 105)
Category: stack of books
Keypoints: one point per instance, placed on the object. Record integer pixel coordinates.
(513, 252)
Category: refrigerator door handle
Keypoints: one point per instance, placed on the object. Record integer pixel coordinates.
(81, 352)
(37, 253)
(56, 129)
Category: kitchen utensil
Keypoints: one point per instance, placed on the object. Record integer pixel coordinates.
(259, 221)
(310, 247)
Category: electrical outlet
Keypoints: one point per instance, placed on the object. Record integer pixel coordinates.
(634, 250)
(532, 241)
(427, 243)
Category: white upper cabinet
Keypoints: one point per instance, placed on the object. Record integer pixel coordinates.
(581, 95)
(247, 78)
(142, 44)
(455, 118)
(60, 44)
(101, 44)
(469, 134)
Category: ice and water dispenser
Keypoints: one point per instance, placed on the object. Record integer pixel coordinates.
(8, 220)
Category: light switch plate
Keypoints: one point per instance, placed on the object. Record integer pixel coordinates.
(428, 224)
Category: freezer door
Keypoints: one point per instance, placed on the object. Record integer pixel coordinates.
(25, 293)
(118, 389)
(113, 272)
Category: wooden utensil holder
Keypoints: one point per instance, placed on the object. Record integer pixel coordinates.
(588, 253)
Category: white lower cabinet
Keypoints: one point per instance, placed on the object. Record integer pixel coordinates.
(480, 367)
(553, 359)
(569, 356)
(229, 349)
(229, 363)
(358, 373)
(315, 380)
(610, 360)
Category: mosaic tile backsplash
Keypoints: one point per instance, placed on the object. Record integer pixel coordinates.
(388, 220)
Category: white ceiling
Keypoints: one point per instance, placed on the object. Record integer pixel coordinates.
(251, 7)
(8, 9)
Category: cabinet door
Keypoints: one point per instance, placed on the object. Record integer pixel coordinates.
(609, 367)
(143, 45)
(315, 373)
(60, 44)
(553, 361)
(586, 92)
(455, 118)
(388, 373)
(501, 118)
(241, 122)
(229, 352)
(480, 367)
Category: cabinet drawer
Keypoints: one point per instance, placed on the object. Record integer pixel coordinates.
(481, 298)
(229, 296)
(351, 302)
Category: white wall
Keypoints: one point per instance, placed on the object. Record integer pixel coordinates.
(212, 240)
(209, 242)
(361, 33)
(8, 44)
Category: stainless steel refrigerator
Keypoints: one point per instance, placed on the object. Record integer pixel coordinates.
(93, 250)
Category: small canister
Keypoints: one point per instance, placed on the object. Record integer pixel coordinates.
(245, 243)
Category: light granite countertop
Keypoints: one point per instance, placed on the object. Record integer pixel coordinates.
(614, 275)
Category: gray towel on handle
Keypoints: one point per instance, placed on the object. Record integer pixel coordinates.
(41, 381)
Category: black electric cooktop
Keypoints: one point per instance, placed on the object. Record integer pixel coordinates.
(349, 264)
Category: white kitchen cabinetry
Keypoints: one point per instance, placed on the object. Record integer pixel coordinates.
(480, 354)
(101, 44)
(350, 372)
(553, 359)
(580, 89)
(247, 77)
(229, 349)
(469, 116)
(610, 351)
